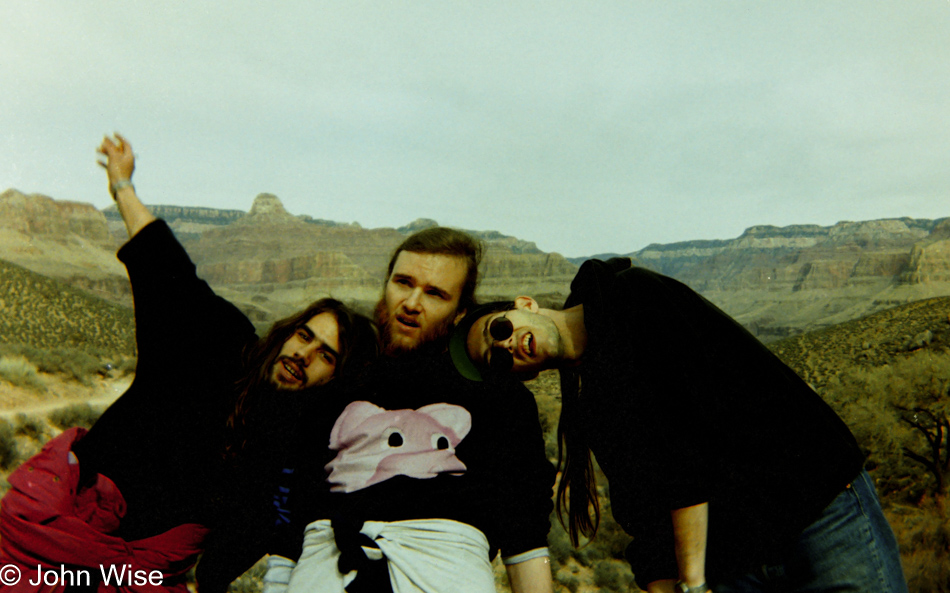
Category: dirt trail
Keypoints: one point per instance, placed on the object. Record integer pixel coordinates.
(59, 393)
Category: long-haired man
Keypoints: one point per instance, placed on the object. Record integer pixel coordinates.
(138, 491)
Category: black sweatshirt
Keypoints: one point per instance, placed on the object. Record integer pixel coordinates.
(681, 405)
(161, 441)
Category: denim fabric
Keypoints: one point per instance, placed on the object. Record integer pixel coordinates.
(851, 547)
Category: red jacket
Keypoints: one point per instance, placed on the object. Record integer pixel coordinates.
(45, 522)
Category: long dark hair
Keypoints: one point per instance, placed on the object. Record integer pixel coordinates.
(577, 487)
(359, 346)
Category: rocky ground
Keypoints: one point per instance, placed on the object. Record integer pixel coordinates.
(29, 416)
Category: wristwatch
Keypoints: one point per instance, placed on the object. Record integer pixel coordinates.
(681, 587)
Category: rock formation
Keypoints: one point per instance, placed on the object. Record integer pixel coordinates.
(929, 260)
(68, 241)
(782, 280)
(39, 216)
(280, 262)
(778, 281)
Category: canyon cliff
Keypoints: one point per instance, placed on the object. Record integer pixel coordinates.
(67, 241)
(778, 281)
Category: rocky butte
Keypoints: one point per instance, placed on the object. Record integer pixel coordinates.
(271, 262)
(778, 281)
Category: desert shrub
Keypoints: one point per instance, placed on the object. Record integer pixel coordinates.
(613, 575)
(550, 446)
(31, 427)
(900, 414)
(74, 415)
(251, 581)
(567, 581)
(9, 452)
(124, 365)
(80, 365)
(923, 535)
(559, 544)
(75, 364)
(590, 553)
(19, 371)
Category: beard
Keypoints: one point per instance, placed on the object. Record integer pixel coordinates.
(435, 337)
(277, 385)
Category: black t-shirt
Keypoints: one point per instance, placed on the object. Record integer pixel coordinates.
(681, 405)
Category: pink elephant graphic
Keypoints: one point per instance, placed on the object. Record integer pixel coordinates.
(375, 444)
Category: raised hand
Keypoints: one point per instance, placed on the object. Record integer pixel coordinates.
(119, 162)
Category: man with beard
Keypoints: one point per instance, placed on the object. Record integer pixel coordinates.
(723, 463)
(139, 490)
(430, 284)
(419, 477)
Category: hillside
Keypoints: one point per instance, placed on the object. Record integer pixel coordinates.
(888, 377)
(873, 341)
(40, 312)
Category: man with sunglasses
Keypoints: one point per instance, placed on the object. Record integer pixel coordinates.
(728, 470)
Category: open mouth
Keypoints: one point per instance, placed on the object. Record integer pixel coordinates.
(407, 321)
(527, 344)
(294, 370)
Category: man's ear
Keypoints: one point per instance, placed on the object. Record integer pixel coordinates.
(526, 303)
(459, 316)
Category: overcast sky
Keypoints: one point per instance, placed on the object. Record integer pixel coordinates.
(586, 127)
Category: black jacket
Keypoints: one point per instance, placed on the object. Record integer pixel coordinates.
(161, 441)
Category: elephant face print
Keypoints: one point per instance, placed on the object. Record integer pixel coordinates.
(374, 444)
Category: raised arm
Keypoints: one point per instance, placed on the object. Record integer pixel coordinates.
(176, 312)
(119, 164)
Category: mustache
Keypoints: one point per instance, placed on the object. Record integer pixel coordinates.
(436, 336)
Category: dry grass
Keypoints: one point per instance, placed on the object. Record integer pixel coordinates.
(20, 372)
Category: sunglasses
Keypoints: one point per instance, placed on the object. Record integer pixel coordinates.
(500, 329)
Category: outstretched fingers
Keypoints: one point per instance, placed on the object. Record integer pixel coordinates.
(119, 161)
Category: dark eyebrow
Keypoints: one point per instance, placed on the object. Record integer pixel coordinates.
(442, 292)
(330, 350)
(323, 345)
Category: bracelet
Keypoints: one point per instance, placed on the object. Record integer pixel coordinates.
(120, 184)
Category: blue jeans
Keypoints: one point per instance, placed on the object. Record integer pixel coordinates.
(851, 547)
